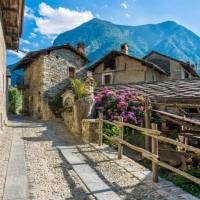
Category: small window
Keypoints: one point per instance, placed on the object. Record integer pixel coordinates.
(72, 72)
(107, 79)
(110, 63)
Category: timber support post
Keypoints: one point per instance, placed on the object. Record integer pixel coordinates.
(147, 119)
(100, 128)
(155, 152)
(121, 136)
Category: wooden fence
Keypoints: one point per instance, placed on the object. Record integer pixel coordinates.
(152, 155)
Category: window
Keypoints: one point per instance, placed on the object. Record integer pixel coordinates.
(107, 79)
(72, 72)
(110, 63)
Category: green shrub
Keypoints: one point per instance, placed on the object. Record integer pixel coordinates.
(110, 131)
(15, 101)
(79, 88)
(182, 182)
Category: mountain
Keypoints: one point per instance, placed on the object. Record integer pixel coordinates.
(102, 36)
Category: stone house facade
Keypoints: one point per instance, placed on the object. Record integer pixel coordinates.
(120, 68)
(46, 74)
(175, 68)
(11, 17)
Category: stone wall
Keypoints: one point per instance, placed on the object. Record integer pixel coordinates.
(33, 82)
(77, 110)
(56, 75)
(45, 78)
(177, 71)
(3, 92)
(90, 131)
(127, 71)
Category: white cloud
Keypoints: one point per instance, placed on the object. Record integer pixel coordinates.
(33, 35)
(128, 15)
(29, 13)
(98, 15)
(24, 41)
(124, 5)
(55, 21)
(19, 54)
(26, 50)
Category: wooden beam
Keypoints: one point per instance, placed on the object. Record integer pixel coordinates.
(147, 121)
(121, 136)
(154, 151)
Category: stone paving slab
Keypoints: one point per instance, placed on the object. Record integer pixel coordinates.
(16, 186)
(90, 178)
(95, 184)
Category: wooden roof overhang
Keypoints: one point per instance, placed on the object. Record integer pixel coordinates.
(12, 12)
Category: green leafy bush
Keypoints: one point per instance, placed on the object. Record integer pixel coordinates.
(79, 88)
(182, 182)
(15, 101)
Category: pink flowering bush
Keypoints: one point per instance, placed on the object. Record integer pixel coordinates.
(120, 103)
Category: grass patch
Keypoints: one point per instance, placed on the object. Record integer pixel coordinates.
(182, 182)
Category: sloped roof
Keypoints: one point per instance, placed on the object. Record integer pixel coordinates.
(12, 18)
(166, 65)
(30, 57)
(173, 91)
(118, 53)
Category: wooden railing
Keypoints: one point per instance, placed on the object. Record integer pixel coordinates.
(152, 155)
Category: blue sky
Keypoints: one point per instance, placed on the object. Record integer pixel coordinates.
(44, 19)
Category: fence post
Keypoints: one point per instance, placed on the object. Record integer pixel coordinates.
(100, 128)
(121, 136)
(155, 152)
(147, 119)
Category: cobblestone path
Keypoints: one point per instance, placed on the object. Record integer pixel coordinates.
(34, 164)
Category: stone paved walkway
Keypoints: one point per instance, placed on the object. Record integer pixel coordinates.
(43, 161)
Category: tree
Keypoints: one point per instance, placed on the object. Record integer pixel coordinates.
(15, 100)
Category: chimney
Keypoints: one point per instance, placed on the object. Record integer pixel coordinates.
(81, 48)
(124, 48)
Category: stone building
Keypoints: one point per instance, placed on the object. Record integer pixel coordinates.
(11, 17)
(175, 68)
(119, 67)
(46, 74)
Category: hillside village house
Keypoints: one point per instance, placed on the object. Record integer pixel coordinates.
(120, 68)
(11, 13)
(175, 68)
(46, 74)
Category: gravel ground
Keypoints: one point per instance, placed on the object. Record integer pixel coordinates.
(124, 183)
(118, 178)
(5, 145)
(50, 178)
